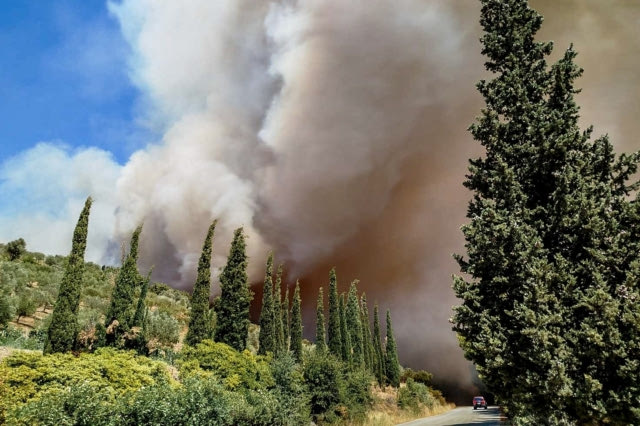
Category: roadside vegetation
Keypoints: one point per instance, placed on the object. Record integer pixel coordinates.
(125, 350)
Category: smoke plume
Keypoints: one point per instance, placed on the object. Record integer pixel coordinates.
(335, 132)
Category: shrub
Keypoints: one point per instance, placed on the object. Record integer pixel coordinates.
(6, 311)
(325, 384)
(234, 369)
(16, 248)
(415, 396)
(162, 330)
(420, 376)
(358, 393)
(290, 390)
(26, 305)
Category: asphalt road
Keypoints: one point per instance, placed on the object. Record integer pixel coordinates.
(463, 416)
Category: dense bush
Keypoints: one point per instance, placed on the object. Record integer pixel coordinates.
(415, 396)
(29, 375)
(234, 369)
(162, 330)
(420, 376)
(323, 374)
(290, 390)
(358, 396)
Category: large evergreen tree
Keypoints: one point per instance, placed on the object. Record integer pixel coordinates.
(354, 326)
(367, 341)
(286, 325)
(548, 313)
(232, 312)
(392, 365)
(377, 348)
(321, 345)
(200, 321)
(141, 309)
(296, 325)
(344, 333)
(62, 331)
(120, 315)
(267, 338)
(277, 311)
(334, 336)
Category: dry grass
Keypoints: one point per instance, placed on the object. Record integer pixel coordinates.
(385, 411)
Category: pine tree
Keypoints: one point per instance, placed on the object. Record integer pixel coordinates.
(354, 326)
(267, 338)
(232, 312)
(141, 309)
(546, 315)
(296, 325)
(120, 315)
(391, 358)
(277, 311)
(285, 320)
(377, 346)
(61, 335)
(321, 345)
(346, 340)
(335, 338)
(367, 341)
(200, 321)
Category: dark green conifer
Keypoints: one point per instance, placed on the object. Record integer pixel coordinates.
(63, 329)
(267, 338)
(354, 326)
(392, 364)
(321, 345)
(334, 336)
(119, 318)
(296, 325)
(138, 318)
(232, 312)
(551, 243)
(285, 320)
(377, 346)
(346, 340)
(367, 341)
(200, 321)
(277, 311)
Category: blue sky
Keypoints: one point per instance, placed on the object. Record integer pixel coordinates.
(63, 79)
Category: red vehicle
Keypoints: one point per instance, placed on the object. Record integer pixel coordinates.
(479, 402)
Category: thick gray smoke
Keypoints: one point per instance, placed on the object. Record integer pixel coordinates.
(334, 132)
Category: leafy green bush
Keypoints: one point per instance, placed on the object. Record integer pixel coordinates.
(420, 376)
(162, 330)
(358, 396)
(325, 384)
(15, 338)
(234, 369)
(290, 390)
(30, 375)
(415, 396)
(6, 311)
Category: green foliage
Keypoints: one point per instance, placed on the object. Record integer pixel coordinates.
(286, 325)
(161, 330)
(6, 311)
(379, 367)
(358, 396)
(200, 322)
(63, 328)
(267, 337)
(354, 326)
(26, 305)
(30, 375)
(119, 318)
(277, 312)
(549, 311)
(321, 344)
(15, 338)
(333, 333)
(323, 374)
(141, 309)
(16, 248)
(420, 376)
(236, 370)
(344, 333)
(296, 325)
(367, 340)
(392, 366)
(415, 396)
(233, 310)
(290, 390)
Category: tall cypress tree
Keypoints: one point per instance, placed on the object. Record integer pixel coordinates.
(267, 337)
(321, 345)
(285, 320)
(120, 315)
(367, 341)
(232, 312)
(346, 340)
(377, 346)
(391, 359)
(138, 318)
(296, 325)
(546, 312)
(354, 326)
(200, 321)
(277, 311)
(62, 331)
(335, 338)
